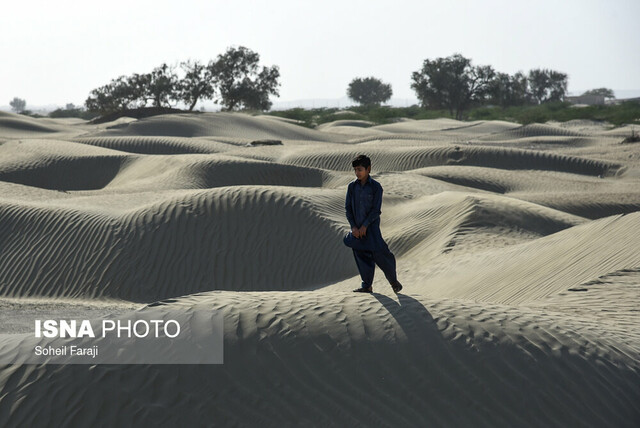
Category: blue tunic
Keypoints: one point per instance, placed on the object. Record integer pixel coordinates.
(363, 208)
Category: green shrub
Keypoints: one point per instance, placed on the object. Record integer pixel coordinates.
(73, 112)
(619, 114)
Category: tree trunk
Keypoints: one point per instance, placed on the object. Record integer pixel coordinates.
(195, 101)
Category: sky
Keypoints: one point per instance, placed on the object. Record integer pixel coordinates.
(56, 52)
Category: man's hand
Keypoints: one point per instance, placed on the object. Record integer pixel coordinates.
(362, 231)
(356, 232)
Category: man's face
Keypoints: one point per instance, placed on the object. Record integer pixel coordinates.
(362, 172)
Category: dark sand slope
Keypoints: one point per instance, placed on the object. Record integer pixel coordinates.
(519, 249)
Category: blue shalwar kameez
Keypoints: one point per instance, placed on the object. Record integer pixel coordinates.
(363, 207)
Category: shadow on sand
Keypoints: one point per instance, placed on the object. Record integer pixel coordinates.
(414, 319)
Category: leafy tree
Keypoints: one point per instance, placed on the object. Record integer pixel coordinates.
(159, 86)
(235, 74)
(102, 99)
(547, 85)
(369, 91)
(198, 83)
(452, 83)
(18, 104)
(128, 92)
(605, 92)
(241, 82)
(500, 89)
(509, 90)
(120, 94)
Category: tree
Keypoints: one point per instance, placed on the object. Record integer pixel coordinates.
(605, 92)
(506, 90)
(18, 104)
(369, 91)
(547, 85)
(240, 81)
(452, 83)
(159, 86)
(120, 94)
(198, 83)
(235, 74)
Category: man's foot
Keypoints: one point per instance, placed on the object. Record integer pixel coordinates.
(363, 290)
(396, 287)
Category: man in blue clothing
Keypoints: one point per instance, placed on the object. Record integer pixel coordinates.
(363, 207)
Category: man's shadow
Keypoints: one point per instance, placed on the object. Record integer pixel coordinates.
(437, 361)
(416, 322)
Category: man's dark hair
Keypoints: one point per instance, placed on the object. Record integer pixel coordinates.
(361, 160)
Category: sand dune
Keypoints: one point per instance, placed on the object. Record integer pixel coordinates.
(518, 246)
(352, 128)
(58, 165)
(143, 250)
(534, 130)
(584, 196)
(417, 132)
(17, 125)
(201, 172)
(543, 266)
(346, 122)
(417, 126)
(157, 145)
(219, 125)
(310, 358)
(402, 159)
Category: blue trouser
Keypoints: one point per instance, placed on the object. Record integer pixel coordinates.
(366, 260)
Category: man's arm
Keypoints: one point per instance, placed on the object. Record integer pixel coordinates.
(348, 209)
(375, 212)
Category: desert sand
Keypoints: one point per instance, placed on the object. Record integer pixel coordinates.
(518, 248)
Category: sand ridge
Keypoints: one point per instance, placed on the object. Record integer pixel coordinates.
(518, 247)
